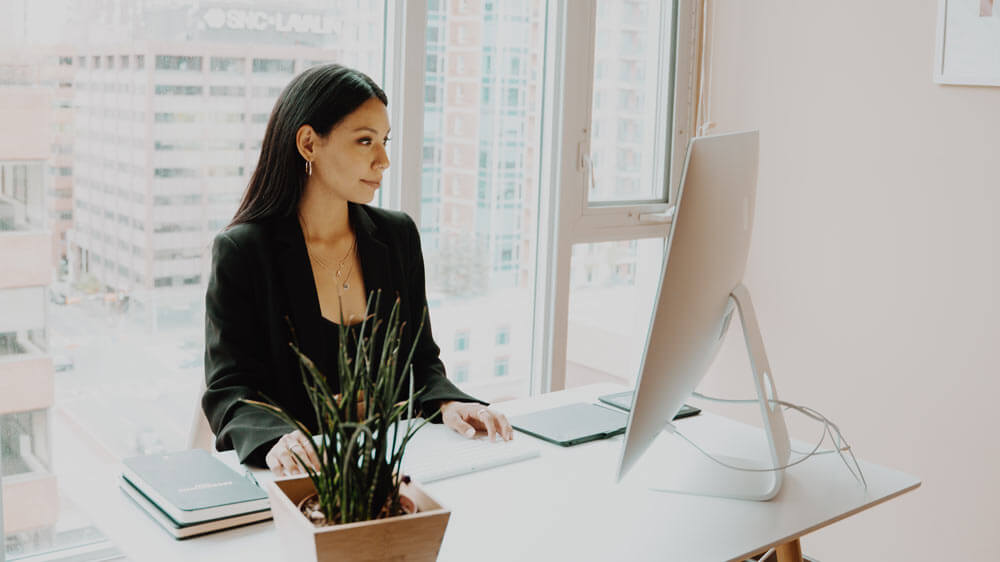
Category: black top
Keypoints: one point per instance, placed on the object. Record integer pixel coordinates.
(261, 288)
(327, 361)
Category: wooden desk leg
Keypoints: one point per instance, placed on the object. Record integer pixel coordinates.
(790, 551)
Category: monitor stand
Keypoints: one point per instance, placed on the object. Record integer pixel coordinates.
(684, 469)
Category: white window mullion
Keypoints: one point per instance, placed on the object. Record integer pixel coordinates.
(544, 317)
(404, 70)
(689, 14)
(570, 81)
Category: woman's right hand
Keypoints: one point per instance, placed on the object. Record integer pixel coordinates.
(281, 460)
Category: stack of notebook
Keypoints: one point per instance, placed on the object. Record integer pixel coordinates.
(192, 492)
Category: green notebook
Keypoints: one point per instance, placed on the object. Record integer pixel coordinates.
(193, 486)
(187, 530)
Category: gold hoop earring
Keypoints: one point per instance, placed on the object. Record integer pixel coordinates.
(309, 168)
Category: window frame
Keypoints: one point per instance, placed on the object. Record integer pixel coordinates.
(565, 217)
(568, 103)
(404, 69)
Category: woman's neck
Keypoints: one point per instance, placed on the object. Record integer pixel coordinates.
(323, 219)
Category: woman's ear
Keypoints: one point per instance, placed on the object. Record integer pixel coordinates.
(305, 141)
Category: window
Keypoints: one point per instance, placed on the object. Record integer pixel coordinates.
(430, 155)
(269, 92)
(169, 90)
(612, 287)
(621, 70)
(273, 66)
(175, 118)
(231, 91)
(112, 234)
(462, 340)
(229, 65)
(142, 221)
(179, 63)
(500, 367)
(512, 96)
(460, 373)
(175, 173)
(503, 335)
(461, 248)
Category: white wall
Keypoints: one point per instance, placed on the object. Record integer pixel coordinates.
(874, 264)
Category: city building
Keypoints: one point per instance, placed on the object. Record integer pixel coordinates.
(26, 368)
(56, 74)
(168, 130)
(480, 189)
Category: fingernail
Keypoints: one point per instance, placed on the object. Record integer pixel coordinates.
(470, 432)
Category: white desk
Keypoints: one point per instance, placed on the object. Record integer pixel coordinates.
(562, 505)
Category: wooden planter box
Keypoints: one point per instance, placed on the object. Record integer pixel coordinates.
(414, 537)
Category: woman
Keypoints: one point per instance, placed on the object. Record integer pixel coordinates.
(305, 246)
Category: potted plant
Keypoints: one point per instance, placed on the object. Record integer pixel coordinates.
(356, 505)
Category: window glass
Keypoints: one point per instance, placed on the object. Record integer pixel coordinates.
(273, 66)
(459, 372)
(102, 310)
(171, 62)
(479, 202)
(228, 64)
(612, 287)
(500, 367)
(626, 119)
(461, 341)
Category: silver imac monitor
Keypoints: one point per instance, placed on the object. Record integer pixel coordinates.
(700, 289)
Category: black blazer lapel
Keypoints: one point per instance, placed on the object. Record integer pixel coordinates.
(374, 256)
(296, 276)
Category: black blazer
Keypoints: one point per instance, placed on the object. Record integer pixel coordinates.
(261, 274)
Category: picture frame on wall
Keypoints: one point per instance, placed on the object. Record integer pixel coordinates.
(968, 43)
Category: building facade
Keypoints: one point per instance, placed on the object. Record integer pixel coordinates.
(169, 129)
(26, 368)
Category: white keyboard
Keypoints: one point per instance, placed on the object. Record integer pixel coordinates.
(437, 452)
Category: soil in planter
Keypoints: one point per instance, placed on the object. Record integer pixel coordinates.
(310, 508)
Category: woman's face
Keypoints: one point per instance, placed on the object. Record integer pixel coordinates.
(349, 162)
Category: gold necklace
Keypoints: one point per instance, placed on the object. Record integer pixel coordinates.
(346, 283)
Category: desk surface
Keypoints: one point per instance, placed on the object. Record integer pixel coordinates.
(562, 505)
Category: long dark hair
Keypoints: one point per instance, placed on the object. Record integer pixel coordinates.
(320, 97)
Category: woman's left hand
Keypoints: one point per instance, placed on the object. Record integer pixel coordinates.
(469, 417)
